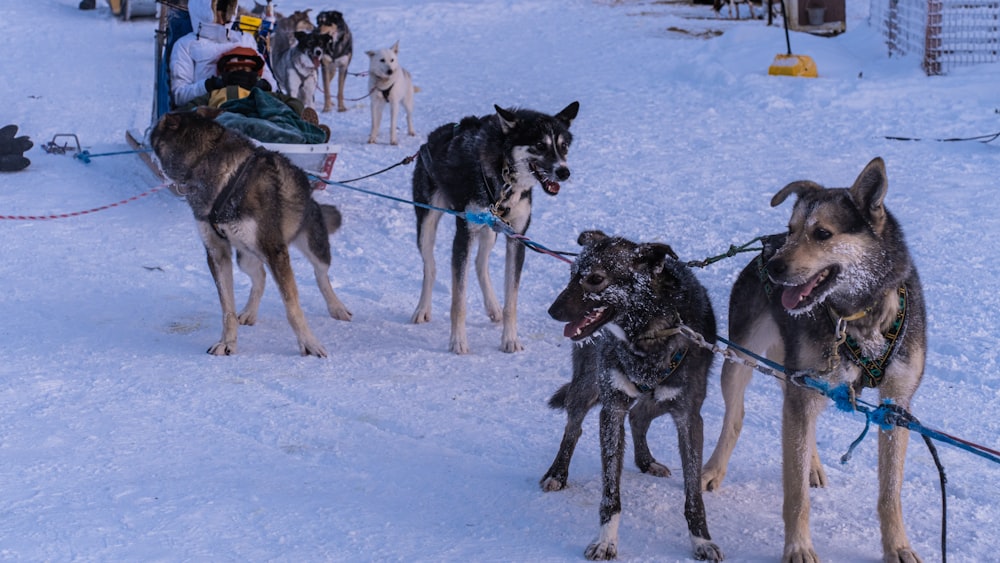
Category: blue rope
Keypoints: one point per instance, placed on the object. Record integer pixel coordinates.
(85, 156)
(486, 218)
(886, 416)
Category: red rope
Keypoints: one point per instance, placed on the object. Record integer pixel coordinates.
(78, 213)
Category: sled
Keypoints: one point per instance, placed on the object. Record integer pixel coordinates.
(316, 159)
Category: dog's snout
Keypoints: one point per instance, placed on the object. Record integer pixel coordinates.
(562, 173)
(558, 308)
(776, 267)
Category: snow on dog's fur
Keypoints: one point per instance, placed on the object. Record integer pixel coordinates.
(624, 303)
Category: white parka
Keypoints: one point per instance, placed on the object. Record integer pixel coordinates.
(194, 56)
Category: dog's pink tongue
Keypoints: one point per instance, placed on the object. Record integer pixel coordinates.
(573, 329)
(792, 295)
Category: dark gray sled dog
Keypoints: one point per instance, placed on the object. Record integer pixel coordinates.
(624, 303)
(838, 294)
(480, 163)
(256, 201)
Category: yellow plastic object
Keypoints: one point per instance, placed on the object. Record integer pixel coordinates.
(793, 65)
(248, 23)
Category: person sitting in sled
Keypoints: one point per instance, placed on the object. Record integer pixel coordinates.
(194, 58)
(207, 63)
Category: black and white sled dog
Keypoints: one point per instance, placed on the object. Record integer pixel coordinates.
(478, 164)
(297, 68)
(389, 84)
(256, 201)
(336, 57)
(624, 303)
(837, 294)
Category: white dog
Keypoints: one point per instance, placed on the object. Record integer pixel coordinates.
(389, 83)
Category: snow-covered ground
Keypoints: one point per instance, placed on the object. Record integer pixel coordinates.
(121, 440)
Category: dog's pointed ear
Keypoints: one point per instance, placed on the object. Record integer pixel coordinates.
(588, 238)
(508, 120)
(395, 47)
(868, 193)
(300, 36)
(171, 121)
(798, 188)
(651, 255)
(208, 112)
(568, 114)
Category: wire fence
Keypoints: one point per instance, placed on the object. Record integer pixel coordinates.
(944, 34)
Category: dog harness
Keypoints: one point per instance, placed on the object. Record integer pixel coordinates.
(228, 201)
(675, 363)
(873, 369)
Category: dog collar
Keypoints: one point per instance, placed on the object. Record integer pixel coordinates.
(873, 369)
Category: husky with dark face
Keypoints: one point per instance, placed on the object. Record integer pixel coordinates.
(336, 57)
(838, 294)
(256, 201)
(624, 303)
(297, 68)
(486, 163)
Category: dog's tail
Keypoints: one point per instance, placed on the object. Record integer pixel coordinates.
(331, 216)
(558, 399)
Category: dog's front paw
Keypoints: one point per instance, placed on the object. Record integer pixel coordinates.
(706, 550)
(312, 348)
(372, 139)
(393, 141)
(459, 346)
(511, 345)
(601, 551)
(799, 553)
(902, 555)
(223, 349)
(655, 468)
(552, 482)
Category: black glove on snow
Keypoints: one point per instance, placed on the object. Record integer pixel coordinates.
(9, 144)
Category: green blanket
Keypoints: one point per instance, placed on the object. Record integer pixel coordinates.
(263, 117)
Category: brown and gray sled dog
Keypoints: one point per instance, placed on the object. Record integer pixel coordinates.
(624, 303)
(337, 57)
(841, 270)
(256, 201)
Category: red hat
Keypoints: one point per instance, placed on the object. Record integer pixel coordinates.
(241, 58)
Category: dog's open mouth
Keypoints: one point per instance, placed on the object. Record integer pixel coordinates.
(588, 325)
(550, 186)
(795, 297)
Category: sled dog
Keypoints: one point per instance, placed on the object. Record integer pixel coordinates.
(623, 303)
(389, 84)
(297, 69)
(838, 294)
(481, 163)
(336, 57)
(256, 201)
(283, 36)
